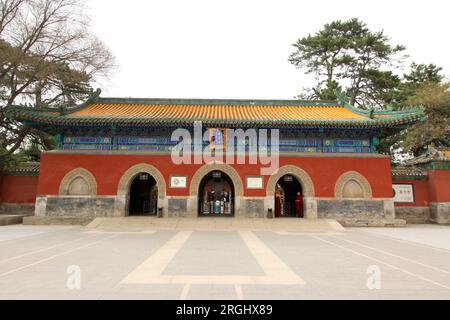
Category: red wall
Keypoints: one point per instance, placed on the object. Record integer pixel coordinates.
(1, 182)
(421, 198)
(108, 169)
(19, 189)
(436, 188)
(439, 185)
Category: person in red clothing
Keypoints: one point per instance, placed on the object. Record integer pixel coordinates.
(299, 205)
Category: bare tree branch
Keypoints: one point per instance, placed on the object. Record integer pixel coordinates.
(48, 55)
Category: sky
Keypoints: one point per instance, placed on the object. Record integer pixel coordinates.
(240, 48)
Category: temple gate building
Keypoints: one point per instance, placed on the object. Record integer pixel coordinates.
(115, 159)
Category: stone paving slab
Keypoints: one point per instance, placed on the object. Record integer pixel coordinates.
(38, 262)
(210, 292)
(9, 233)
(214, 253)
(431, 235)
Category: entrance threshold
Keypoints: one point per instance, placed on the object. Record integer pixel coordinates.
(218, 216)
(144, 224)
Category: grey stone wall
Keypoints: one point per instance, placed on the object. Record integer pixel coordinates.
(413, 215)
(86, 207)
(342, 210)
(177, 207)
(350, 209)
(254, 208)
(440, 212)
(26, 209)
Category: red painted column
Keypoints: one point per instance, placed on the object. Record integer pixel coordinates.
(439, 185)
(439, 194)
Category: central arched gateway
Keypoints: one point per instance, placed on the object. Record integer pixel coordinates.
(231, 176)
(216, 195)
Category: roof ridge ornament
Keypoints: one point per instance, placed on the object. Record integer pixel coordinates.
(92, 98)
(344, 100)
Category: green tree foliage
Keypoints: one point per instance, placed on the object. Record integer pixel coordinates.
(419, 75)
(347, 54)
(435, 130)
(321, 92)
(31, 153)
(325, 55)
(347, 57)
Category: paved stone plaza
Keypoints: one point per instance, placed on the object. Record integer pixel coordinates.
(240, 263)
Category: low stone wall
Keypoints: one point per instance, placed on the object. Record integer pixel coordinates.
(177, 207)
(17, 208)
(90, 207)
(350, 209)
(413, 215)
(254, 208)
(7, 220)
(440, 212)
(75, 207)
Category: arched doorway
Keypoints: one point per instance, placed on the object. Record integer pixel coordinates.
(216, 195)
(288, 197)
(143, 196)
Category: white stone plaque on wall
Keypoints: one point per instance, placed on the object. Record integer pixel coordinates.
(403, 193)
(255, 183)
(178, 182)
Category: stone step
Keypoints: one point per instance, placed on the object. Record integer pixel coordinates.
(11, 219)
(142, 224)
(63, 221)
(381, 223)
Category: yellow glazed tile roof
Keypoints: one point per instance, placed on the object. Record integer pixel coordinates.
(220, 112)
(229, 112)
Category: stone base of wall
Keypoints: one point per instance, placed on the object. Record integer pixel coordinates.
(17, 208)
(350, 209)
(359, 212)
(91, 207)
(177, 207)
(75, 207)
(440, 212)
(413, 215)
(373, 223)
(8, 220)
(254, 208)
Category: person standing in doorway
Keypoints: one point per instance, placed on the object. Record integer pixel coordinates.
(278, 202)
(299, 205)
